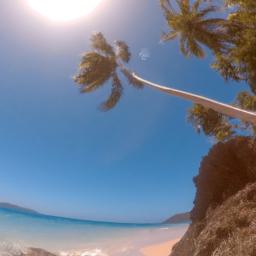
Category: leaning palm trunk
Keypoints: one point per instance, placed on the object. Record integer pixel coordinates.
(222, 108)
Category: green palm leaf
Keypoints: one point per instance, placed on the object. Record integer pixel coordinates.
(169, 36)
(100, 43)
(123, 51)
(194, 28)
(103, 64)
(204, 12)
(94, 70)
(132, 81)
(195, 48)
(115, 95)
(196, 5)
(184, 6)
(165, 4)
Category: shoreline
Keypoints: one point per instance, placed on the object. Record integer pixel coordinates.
(160, 249)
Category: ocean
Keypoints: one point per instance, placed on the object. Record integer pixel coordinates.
(71, 237)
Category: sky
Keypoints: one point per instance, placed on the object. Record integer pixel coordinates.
(60, 155)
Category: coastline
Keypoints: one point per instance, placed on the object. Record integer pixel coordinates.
(162, 249)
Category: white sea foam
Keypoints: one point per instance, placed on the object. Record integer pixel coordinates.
(96, 252)
(11, 249)
(67, 237)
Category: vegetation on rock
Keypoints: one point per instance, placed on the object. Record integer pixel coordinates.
(227, 230)
(223, 217)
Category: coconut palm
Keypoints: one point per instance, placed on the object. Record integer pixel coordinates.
(104, 63)
(193, 27)
(226, 109)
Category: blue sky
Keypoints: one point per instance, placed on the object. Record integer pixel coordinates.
(60, 155)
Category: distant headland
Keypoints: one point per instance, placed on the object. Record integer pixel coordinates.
(175, 219)
(178, 218)
(17, 208)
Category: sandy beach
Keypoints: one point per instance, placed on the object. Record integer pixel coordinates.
(163, 249)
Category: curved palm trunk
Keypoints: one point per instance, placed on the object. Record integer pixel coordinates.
(222, 108)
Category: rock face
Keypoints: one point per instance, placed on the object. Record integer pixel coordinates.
(227, 168)
(38, 252)
(224, 213)
(178, 218)
(228, 230)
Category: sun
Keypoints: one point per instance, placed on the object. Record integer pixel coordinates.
(63, 10)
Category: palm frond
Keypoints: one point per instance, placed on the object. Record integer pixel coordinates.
(204, 12)
(196, 5)
(94, 70)
(213, 40)
(100, 43)
(213, 22)
(92, 86)
(165, 2)
(184, 6)
(184, 46)
(195, 48)
(252, 82)
(123, 51)
(103, 64)
(194, 28)
(167, 7)
(133, 81)
(169, 36)
(115, 95)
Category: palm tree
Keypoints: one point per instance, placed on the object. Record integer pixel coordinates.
(193, 27)
(104, 63)
(226, 109)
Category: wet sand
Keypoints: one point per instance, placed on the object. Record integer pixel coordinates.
(163, 249)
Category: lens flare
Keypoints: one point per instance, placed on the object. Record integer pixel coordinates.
(64, 10)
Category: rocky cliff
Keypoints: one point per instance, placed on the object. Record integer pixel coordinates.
(224, 213)
(228, 230)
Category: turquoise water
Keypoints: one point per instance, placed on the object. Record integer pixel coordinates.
(69, 237)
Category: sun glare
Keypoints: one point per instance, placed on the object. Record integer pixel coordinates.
(63, 10)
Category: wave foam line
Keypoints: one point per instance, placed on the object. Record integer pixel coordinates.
(96, 252)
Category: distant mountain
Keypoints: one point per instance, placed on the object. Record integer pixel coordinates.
(178, 218)
(16, 208)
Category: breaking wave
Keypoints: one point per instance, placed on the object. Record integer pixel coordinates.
(11, 249)
(96, 252)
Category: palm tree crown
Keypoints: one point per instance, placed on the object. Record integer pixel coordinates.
(105, 62)
(193, 27)
(102, 64)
